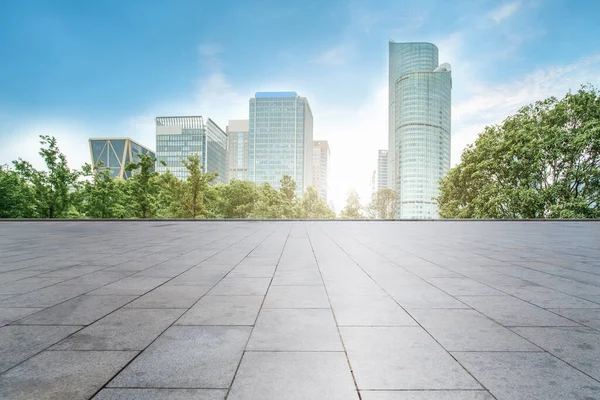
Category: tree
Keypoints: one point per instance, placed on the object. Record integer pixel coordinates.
(51, 189)
(383, 204)
(288, 197)
(313, 207)
(269, 204)
(102, 196)
(169, 195)
(353, 207)
(234, 200)
(194, 189)
(542, 162)
(15, 195)
(143, 188)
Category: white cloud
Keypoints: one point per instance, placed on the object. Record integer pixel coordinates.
(335, 56)
(504, 11)
(210, 49)
(24, 142)
(490, 103)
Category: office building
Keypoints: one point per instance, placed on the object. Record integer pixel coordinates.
(180, 137)
(320, 167)
(382, 169)
(237, 149)
(115, 153)
(281, 139)
(373, 182)
(419, 127)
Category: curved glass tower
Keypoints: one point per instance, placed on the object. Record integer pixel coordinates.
(419, 127)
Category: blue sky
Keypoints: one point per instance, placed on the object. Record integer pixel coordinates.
(76, 69)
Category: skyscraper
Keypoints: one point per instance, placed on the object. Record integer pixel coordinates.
(237, 149)
(382, 169)
(180, 137)
(320, 165)
(419, 127)
(113, 154)
(280, 139)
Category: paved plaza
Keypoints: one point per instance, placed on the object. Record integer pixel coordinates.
(245, 310)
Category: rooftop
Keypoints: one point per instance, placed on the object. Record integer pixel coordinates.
(299, 310)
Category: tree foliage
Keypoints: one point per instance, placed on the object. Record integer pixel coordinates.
(353, 207)
(383, 204)
(542, 162)
(51, 189)
(101, 196)
(142, 188)
(15, 195)
(311, 206)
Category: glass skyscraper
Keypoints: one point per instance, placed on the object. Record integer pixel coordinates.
(237, 147)
(280, 139)
(419, 127)
(114, 154)
(382, 169)
(180, 137)
(320, 166)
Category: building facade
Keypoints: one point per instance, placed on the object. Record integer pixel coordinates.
(180, 137)
(114, 154)
(320, 167)
(237, 149)
(382, 169)
(419, 127)
(280, 139)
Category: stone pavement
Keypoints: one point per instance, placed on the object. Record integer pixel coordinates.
(300, 310)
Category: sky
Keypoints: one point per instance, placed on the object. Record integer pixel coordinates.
(79, 69)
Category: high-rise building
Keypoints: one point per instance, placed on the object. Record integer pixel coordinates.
(373, 182)
(320, 167)
(237, 149)
(382, 169)
(280, 139)
(115, 153)
(180, 137)
(419, 127)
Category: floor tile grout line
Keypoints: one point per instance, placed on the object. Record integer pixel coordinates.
(173, 323)
(464, 276)
(85, 326)
(108, 267)
(508, 294)
(354, 380)
(257, 316)
(399, 305)
(139, 352)
(470, 308)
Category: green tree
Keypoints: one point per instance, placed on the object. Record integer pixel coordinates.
(194, 189)
(15, 195)
(289, 200)
(143, 188)
(169, 196)
(353, 207)
(101, 196)
(51, 189)
(313, 207)
(383, 204)
(234, 200)
(269, 204)
(542, 162)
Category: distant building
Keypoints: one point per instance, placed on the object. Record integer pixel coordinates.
(320, 167)
(373, 182)
(237, 148)
(419, 127)
(115, 153)
(280, 140)
(382, 169)
(180, 137)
